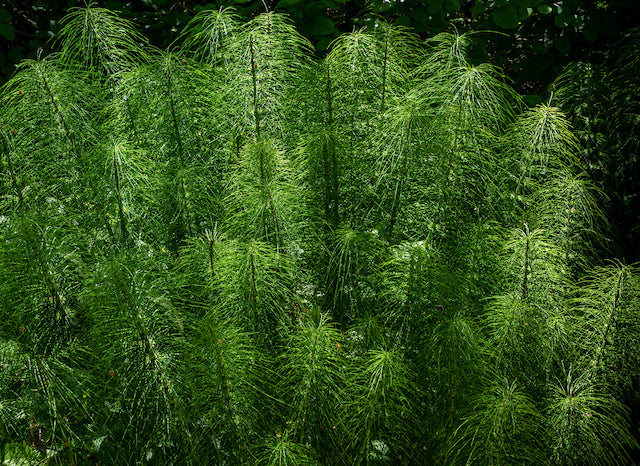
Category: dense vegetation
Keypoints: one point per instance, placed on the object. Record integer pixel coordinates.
(533, 40)
(233, 252)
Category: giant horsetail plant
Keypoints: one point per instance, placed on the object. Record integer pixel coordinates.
(236, 251)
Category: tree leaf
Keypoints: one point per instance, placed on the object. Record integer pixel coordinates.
(562, 20)
(287, 3)
(5, 16)
(452, 5)
(420, 15)
(590, 32)
(506, 17)
(434, 7)
(544, 9)
(321, 26)
(323, 43)
(7, 31)
(524, 13)
(478, 9)
(15, 54)
(563, 45)
(532, 99)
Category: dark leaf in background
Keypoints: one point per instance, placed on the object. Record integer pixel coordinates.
(506, 17)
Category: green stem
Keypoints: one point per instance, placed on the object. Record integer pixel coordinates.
(58, 111)
(4, 440)
(445, 186)
(451, 367)
(212, 274)
(369, 428)
(329, 97)
(174, 114)
(452, 388)
(452, 379)
(335, 187)
(72, 140)
(406, 154)
(254, 80)
(525, 278)
(226, 394)
(178, 138)
(311, 376)
(59, 419)
(132, 124)
(123, 221)
(454, 147)
(383, 99)
(329, 159)
(327, 177)
(274, 214)
(253, 293)
(611, 320)
(330, 186)
(45, 268)
(144, 337)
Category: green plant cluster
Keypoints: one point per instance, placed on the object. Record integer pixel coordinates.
(233, 252)
(533, 40)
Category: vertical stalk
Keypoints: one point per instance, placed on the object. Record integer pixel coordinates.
(58, 111)
(71, 139)
(253, 293)
(330, 177)
(329, 96)
(210, 243)
(59, 419)
(369, 427)
(454, 146)
(152, 358)
(254, 80)
(451, 369)
(311, 375)
(525, 278)
(452, 387)
(383, 103)
(335, 186)
(265, 187)
(132, 123)
(274, 213)
(4, 440)
(178, 138)
(611, 320)
(174, 116)
(365, 442)
(264, 181)
(406, 154)
(238, 143)
(45, 268)
(144, 338)
(327, 177)
(450, 155)
(123, 221)
(329, 159)
(239, 446)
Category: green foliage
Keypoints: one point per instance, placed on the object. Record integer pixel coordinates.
(235, 252)
(579, 414)
(535, 39)
(602, 101)
(502, 428)
(100, 39)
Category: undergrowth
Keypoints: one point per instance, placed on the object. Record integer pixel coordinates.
(233, 252)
